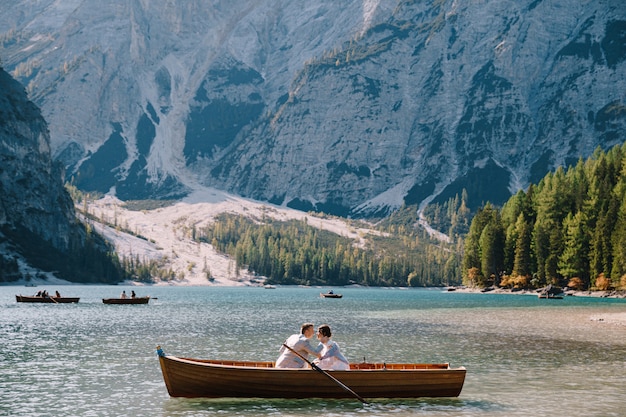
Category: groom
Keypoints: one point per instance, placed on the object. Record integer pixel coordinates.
(300, 343)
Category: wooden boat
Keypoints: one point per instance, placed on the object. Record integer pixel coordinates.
(552, 292)
(50, 299)
(194, 378)
(136, 300)
(330, 295)
(550, 296)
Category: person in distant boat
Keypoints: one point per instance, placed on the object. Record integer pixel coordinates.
(331, 292)
(332, 358)
(132, 294)
(301, 343)
(39, 294)
(57, 294)
(123, 295)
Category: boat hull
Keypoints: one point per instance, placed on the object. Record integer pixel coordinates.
(136, 300)
(194, 378)
(51, 300)
(551, 297)
(326, 295)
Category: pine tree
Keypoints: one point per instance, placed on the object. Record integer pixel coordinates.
(522, 265)
(618, 241)
(491, 247)
(573, 261)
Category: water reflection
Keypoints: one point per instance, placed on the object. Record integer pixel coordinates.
(325, 407)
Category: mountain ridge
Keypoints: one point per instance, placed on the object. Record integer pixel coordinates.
(351, 109)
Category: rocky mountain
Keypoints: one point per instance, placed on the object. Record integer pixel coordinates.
(32, 195)
(352, 107)
(38, 225)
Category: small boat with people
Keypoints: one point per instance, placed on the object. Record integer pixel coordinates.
(130, 300)
(203, 378)
(330, 294)
(125, 299)
(45, 299)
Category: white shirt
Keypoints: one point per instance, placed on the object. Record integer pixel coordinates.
(300, 344)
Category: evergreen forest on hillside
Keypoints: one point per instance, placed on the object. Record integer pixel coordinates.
(294, 252)
(568, 230)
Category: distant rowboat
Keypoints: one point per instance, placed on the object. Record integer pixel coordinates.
(136, 300)
(550, 296)
(51, 299)
(330, 295)
(196, 378)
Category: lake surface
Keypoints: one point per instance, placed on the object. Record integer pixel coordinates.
(524, 356)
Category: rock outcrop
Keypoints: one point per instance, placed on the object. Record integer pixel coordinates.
(38, 223)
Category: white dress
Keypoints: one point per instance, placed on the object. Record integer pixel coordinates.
(332, 358)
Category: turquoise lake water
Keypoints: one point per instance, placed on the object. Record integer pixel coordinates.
(524, 356)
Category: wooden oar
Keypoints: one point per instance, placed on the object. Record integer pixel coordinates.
(335, 380)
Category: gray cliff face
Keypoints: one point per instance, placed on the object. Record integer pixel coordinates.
(39, 231)
(32, 197)
(352, 108)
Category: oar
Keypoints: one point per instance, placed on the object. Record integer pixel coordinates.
(335, 380)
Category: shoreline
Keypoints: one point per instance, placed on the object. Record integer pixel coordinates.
(51, 280)
(617, 319)
(567, 293)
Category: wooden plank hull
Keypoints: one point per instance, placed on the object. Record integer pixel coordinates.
(215, 379)
(51, 300)
(136, 300)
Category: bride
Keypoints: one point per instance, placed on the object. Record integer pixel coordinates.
(332, 358)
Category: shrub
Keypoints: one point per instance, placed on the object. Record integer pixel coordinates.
(506, 281)
(622, 282)
(603, 283)
(576, 284)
